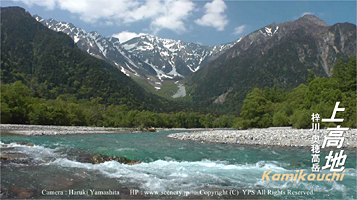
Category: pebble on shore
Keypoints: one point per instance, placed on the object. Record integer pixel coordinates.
(269, 136)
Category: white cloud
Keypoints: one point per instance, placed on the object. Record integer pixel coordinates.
(214, 15)
(163, 14)
(307, 13)
(49, 4)
(239, 29)
(126, 35)
(174, 15)
(148, 10)
(93, 10)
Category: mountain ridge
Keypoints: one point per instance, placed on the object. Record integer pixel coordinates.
(266, 58)
(108, 49)
(174, 55)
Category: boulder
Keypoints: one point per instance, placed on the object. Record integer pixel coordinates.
(97, 158)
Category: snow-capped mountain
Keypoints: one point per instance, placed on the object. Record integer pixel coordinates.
(148, 57)
(108, 49)
(173, 57)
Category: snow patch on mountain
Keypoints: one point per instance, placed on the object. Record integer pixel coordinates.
(181, 92)
(268, 31)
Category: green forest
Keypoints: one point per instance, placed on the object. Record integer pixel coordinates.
(262, 107)
(19, 105)
(275, 107)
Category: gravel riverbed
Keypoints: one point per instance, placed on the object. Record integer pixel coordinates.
(269, 136)
(37, 130)
(59, 130)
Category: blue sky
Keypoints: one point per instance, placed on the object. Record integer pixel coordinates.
(205, 22)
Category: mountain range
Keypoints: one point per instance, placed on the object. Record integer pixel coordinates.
(148, 57)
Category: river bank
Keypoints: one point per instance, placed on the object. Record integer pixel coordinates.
(269, 137)
(37, 130)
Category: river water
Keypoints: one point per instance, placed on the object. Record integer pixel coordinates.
(178, 169)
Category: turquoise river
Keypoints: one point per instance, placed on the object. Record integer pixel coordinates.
(169, 169)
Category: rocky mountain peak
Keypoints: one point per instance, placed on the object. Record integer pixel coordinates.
(313, 19)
